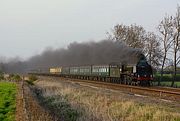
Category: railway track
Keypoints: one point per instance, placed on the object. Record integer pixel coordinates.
(170, 94)
(167, 88)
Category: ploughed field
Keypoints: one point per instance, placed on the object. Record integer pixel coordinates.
(7, 101)
(71, 101)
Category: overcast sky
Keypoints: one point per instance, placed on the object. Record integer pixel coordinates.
(27, 27)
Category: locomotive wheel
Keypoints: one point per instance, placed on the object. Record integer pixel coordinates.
(145, 83)
(148, 84)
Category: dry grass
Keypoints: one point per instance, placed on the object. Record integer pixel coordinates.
(91, 104)
(28, 108)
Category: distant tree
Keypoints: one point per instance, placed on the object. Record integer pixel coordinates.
(1, 75)
(1, 67)
(165, 28)
(176, 42)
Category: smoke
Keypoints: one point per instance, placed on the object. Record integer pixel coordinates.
(78, 54)
(12, 65)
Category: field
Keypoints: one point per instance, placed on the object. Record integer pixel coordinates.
(168, 83)
(167, 79)
(75, 102)
(7, 101)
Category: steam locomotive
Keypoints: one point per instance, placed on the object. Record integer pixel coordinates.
(131, 74)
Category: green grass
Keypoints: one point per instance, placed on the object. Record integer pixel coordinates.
(166, 77)
(7, 101)
(168, 83)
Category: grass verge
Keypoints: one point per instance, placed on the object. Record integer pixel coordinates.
(100, 104)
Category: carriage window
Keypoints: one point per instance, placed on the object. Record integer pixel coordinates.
(95, 70)
(107, 69)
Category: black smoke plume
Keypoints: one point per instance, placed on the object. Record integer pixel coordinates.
(78, 54)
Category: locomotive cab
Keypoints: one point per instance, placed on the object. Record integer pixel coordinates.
(144, 74)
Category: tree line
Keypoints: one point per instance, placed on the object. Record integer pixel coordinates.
(161, 49)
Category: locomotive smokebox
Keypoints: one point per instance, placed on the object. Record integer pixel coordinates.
(142, 57)
(144, 71)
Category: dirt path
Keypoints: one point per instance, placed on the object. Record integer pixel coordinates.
(28, 108)
(20, 113)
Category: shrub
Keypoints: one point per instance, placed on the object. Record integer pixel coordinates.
(33, 78)
(1, 75)
(58, 105)
(15, 77)
(30, 82)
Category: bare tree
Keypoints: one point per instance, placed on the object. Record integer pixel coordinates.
(132, 35)
(176, 42)
(153, 50)
(136, 37)
(165, 28)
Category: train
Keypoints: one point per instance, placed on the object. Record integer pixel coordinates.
(132, 74)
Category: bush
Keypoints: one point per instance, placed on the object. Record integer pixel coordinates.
(15, 77)
(30, 82)
(33, 78)
(59, 106)
(1, 76)
(11, 76)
